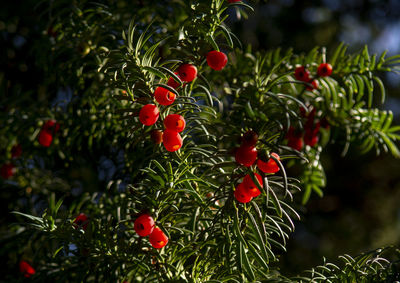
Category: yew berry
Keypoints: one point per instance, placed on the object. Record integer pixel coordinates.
(187, 72)
(246, 155)
(149, 114)
(216, 60)
(241, 195)
(310, 139)
(270, 166)
(7, 170)
(174, 122)
(156, 136)
(295, 139)
(250, 187)
(172, 82)
(301, 74)
(324, 70)
(45, 138)
(26, 269)
(51, 126)
(158, 239)
(144, 225)
(16, 151)
(172, 140)
(314, 85)
(81, 221)
(164, 96)
(250, 138)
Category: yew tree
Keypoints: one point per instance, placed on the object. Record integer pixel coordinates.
(161, 148)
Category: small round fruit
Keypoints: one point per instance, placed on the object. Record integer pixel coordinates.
(16, 151)
(246, 155)
(26, 269)
(175, 122)
(301, 74)
(324, 70)
(51, 126)
(187, 72)
(156, 136)
(250, 138)
(314, 85)
(144, 225)
(45, 138)
(172, 140)
(164, 96)
(250, 187)
(216, 60)
(270, 166)
(172, 82)
(7, 170)
(158, 239)
(81, 221)
(149, 114)
(241, 194)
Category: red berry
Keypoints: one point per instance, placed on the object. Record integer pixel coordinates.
(45, 138)
(314, 85)
(144, 225)
(158, 239)
(250, 138)
(51, 126)
(241, 194)
(26, 269)
(156, 136)
(174, 122)
(164, 96)
(7, 170)
(324, 70)
(81, 221)
(172, 140)
(295, 139)
(246, 155)
(301, 74)
(310, 139)
(187, 72)
(270, 166)
(172, 82)
(16, 151)
(216, 60)
(149, 114)
(250, 187)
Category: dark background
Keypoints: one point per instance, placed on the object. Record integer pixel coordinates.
(361, 207)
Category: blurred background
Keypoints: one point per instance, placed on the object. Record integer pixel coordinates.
(361, 207)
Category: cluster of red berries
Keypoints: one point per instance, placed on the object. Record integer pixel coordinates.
(46, 135)
(81, 221)
(26, 269)
(302, 74)
(7, 170)
(297, 138)
(175, 123)
(145, 226)
(246, 155)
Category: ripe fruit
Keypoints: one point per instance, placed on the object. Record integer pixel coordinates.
(301, 74)
(241, 194)
(164, 96)
(172, 140)
(7, 170)
(156, 136)
(246, 155)
(144, 225)
(81, 221)
(250, 187)
(158, 239)
(187, 72)
(310, 139)
(324, 70)
(26, 269)
(16, 151)
(174, 122)
(149, 114)
(51, 126)
(173, 83)
(216, 60)
(45, 138)
(314, 85)
(295, 139)
(270, 166)
(250, 138)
